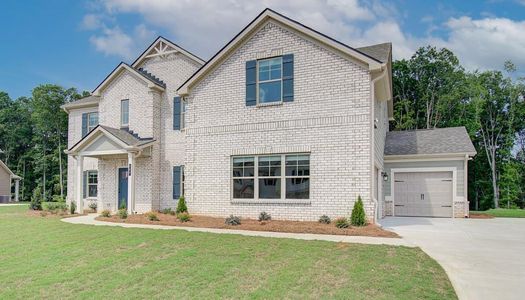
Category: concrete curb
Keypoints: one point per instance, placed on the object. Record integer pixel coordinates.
(90, 220)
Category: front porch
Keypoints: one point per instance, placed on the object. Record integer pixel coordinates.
(118, 152)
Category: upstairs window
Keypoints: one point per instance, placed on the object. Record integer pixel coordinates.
(124, 113)
(92, 121)
(269, 80)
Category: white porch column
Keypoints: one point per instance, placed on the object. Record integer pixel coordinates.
(131, 182)
(79, 183)
(17, 189)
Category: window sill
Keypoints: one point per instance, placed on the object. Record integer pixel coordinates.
(271, 201)
(269, 104)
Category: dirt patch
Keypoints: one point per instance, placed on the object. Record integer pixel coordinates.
(249, 224)
(481, 216)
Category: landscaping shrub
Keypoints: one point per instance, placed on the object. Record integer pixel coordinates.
(264, 216)
(72, 207)
(168, 211)
(54, 207)
(123, 206)
(232, 220)
(93, 206)
(184, 217)
(342, 223)
(152, 216)
(324, 219)
(36, 200)
(58, 198)
(358, 217)
(122, 213)
(181, 206)
(105, 213)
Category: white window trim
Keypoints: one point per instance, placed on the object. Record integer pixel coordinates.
(122, 124)
(89, 128)
(258, 103)
(256, 199)
(183, 109)
(88, 184)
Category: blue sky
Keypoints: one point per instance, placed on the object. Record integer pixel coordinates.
(77, 43)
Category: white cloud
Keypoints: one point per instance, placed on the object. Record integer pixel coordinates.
(91, 22)
(113, 41)
(204, 26)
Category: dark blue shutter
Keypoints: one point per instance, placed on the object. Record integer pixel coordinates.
(176, 182)
(251, 83)
(288, 78)
(84, 185)
(176, 113)
(84, 124)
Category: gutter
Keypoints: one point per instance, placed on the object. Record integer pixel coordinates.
(384, 70)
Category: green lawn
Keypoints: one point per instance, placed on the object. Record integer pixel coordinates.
(48, 259)
(503, 213)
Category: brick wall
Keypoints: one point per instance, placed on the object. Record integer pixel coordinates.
(329, 118)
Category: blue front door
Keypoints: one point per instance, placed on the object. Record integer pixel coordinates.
(122, 188)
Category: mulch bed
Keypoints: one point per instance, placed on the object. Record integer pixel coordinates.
(480, 216)
(249, 224)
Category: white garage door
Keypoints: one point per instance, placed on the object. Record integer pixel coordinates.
(423, 194)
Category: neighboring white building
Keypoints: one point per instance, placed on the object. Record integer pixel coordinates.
(6, 179)
(282, 119)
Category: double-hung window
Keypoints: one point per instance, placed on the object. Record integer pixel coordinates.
(92, 184)
(269, 80)
(243, 177)
(184, 106)
(273, 177)
(124, 113)
(92, 119)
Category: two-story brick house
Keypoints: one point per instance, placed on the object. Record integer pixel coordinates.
(282, 119)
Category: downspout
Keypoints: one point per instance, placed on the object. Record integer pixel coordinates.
(372, 143)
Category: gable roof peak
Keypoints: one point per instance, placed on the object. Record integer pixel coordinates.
(269, 14)
(161, 46)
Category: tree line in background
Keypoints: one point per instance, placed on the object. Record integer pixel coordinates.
(33, 136)
(431, 90)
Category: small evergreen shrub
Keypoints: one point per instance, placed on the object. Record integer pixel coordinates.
(105, 213)
(93, 206)
(184, 217)
(358, 217)
(36, 200)
(232, 220)
(168, 211)
(123, 206)
(58, 198)
(54, 207)
(123, 213)
(324, 219)
(181, 206)
(264, 216)
(72, 207)
(152, 216)
(342, 223)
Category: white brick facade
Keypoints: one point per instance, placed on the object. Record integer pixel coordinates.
(330, 118)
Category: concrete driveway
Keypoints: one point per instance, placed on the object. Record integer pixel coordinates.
(484, 259)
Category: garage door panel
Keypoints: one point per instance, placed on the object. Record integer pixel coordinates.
(423, 194)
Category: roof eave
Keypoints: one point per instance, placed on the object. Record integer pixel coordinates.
(429, 156)
(120, 68)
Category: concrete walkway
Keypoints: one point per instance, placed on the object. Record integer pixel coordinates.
(90, 220)
(484, 259)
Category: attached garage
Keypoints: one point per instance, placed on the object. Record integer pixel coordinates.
(426, 173)
(428, 194)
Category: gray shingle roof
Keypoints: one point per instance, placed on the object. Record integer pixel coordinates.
(380, 52)
(82, 102)
(128, 137)
(429, 141)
